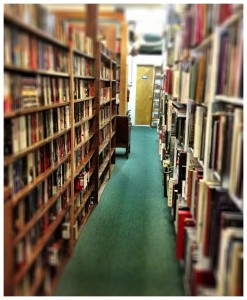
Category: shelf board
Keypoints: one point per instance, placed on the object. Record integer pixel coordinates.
(84, 200)
(39, 213)
(102, 187)
(112, 151)
(105, 57)
(113, 116)
(231, 20)
(38, 281)
(103, 165)
(86, 159)
(102, 103)
(7, 193)
(79, 52)
(104, 79)
(113, 80)
(206, 41)
(230, 100)
(106, 122)
(237, 201)
(34, 71)
(103, 145)
(83, 120)
(217, 176)
(85, 218)
(24, 111)
(84, 141)
(201, 163)
(112, 134)
(13, 157)
(33, 30)
(114, 98)
(114, 61)
(83, 77)
(39, 246)
(85, 99)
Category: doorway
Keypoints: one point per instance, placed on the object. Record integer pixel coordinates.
(144, 94)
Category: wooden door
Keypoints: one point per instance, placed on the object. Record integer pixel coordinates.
(144, 94)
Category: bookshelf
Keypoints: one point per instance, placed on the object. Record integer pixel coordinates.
(203, 72)
(59, 101)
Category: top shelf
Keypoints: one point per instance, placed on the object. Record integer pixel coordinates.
(31, 29)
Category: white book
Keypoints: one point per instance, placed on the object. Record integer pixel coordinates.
(198, 130)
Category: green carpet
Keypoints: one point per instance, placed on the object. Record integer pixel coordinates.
(127, 247)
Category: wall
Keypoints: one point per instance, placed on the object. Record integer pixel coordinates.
(132, 62)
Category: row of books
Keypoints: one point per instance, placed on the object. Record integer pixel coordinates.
(80, 40)
(104, 133)
(105, 95)
(225, 241)
(83, 110)
(200, 20)
(26, 169)
(22, 91)
(25, 131)
(104, 115)
(230, 73)
(26, 51)
(24, 248)
(27, 208)
(38, 16)
(106, 73)
(80, 154)
(82, 132)
(83, 88)
(83, 66)
(227, 146)
(190, 79)
(105, 50)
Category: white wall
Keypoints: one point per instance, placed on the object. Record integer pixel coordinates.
(133, 62)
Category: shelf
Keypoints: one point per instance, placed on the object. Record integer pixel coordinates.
(217, 176)
(105, 57)
(39, 246)
(86, 159)
(103, 79)
(84, 77)
(103, 165)
(113, 116)
(114, 61)
(29, 187)
(113, 99)
(201, 163)
(83, 120)
(103, 145)
(11, 158)
(231, 20)
(206, 41)
(38, 281)
(7, 193)
(24, 111)
(34, 71)
(112, 151)
(102, 187)
(237, 201)
(79, 52)
(85, 218)
(106, 122)
(85, 198)
(39, 213)
(112, 134)
(84, 141)
(229, 100)
(102, 103)
(33, 30)
(113, 80)
(85, 99)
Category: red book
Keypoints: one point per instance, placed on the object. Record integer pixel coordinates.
(182, 215)
(201, 277)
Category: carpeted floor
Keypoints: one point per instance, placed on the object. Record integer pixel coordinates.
(127, 247)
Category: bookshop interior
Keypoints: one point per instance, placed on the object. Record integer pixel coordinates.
(123, 149)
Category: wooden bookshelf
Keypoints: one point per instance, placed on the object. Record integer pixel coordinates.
(82, 93)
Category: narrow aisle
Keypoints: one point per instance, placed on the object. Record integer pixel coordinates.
(127, 247)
